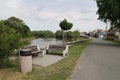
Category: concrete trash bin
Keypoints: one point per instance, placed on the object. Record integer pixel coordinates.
(26, 60)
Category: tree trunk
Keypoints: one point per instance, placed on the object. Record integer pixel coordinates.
(63, 37)
(66, 36)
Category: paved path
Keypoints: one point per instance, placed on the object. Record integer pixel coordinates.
(100, 61)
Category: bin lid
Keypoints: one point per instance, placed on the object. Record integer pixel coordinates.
(25, 52)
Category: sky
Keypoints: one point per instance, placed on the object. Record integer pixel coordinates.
(47, 14)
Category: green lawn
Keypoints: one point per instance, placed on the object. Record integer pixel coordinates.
(114, 42)
(58, 71)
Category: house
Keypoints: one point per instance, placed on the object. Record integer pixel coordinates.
(99, 33)
(84, 35)
(117, 34)
(93, 33)
(113, 34)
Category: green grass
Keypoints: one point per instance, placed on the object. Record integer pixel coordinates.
(114, 42)
(58, 71)
(11, 71)
(61, 70)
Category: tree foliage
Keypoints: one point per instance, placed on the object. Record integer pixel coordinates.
(19, 26)
(43, 34)
(71, 35)
(109, 10)
(9, 40)
(65, 25)
(12, 31)
(76, 34)
(58, 34)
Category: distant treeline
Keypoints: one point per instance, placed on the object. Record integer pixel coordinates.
(69, 35)
(43, 34)
(58, 34)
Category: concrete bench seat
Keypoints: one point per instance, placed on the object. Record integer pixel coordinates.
(58, 48)
(35, 50)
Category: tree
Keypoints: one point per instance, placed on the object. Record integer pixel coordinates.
(76, 34)
(9, 40)
(65, 25)
(43, 34)
(109, 10)
(70, 35)
(58, 34)
(11, 32)
(19, 26)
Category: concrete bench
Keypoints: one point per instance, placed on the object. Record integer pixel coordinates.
(58, 48)
(35, 50)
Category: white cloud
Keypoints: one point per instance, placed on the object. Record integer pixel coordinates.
(46, 14)
(12, 3)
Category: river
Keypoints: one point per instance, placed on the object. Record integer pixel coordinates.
(45, 42)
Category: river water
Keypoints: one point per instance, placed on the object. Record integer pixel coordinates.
(45, 42)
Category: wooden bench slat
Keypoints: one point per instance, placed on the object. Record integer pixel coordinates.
(35, 50)
(60, 48)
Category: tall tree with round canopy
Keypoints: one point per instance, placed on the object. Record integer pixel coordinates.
(65, 25)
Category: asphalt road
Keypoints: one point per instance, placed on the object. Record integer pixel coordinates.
(100, 61)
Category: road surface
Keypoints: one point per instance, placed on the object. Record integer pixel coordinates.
(100, 61)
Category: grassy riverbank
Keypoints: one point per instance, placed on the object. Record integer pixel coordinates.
(58, 71)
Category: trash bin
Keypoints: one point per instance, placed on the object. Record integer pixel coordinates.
(26, 60)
